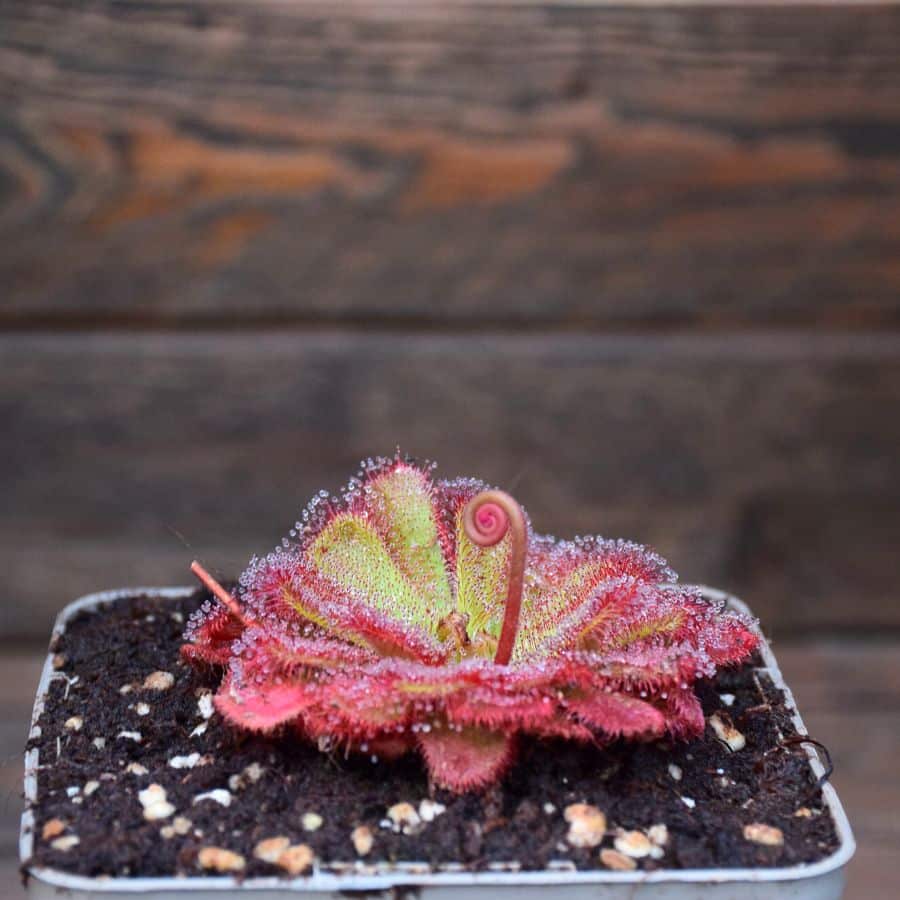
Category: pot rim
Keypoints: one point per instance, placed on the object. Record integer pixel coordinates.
(369, 877)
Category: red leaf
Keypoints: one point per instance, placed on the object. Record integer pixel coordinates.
(466, 760)
(265, 708)
(211, 637)
(684, 715)
(617, 715)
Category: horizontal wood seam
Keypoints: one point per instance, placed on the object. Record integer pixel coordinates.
(430, 325)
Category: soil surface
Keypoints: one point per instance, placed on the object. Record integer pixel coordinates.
(104, 737)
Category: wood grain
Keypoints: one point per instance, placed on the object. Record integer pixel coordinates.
(727, 453)
(581, 165)
(422, 221)
(19, 672)
(848, 693)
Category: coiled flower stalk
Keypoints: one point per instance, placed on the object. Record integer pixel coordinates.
(487, 518)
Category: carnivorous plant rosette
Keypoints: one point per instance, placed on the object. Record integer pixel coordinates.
(419, 614)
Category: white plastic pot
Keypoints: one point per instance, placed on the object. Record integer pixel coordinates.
(823, 880)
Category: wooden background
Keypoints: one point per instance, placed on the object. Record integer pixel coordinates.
(639, 264)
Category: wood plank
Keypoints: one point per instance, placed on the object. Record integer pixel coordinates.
(874, 874)
(836, 675)
(808, 546)
(19, 673)
(849, 696)
(529, 163)
(120, 441)
(10, 884)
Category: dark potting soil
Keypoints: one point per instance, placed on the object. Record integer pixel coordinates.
(701, 791)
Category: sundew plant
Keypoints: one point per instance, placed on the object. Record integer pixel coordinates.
(412, 614)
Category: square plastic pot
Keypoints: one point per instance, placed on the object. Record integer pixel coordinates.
(823, 880)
